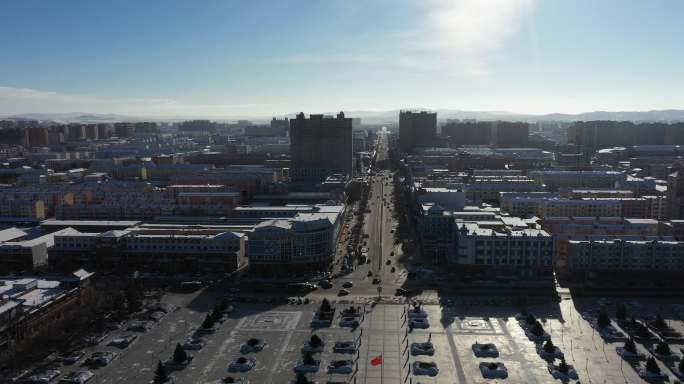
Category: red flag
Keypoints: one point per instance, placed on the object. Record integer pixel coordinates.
(377, 360)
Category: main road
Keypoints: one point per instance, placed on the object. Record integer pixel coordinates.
(379, 226)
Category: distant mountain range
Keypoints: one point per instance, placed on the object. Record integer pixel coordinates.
(375, 117)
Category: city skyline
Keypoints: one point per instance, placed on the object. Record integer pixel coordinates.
(261, 59)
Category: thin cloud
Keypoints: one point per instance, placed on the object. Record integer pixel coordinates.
(22, 100)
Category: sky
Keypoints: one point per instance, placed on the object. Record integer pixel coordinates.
(260, 58)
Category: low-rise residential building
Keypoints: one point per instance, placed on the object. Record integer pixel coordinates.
(549, 205)
(183, 249)
(33, 209)
(488, 188)
(556, 179)
(584, 207)
(25, 256)
(447, 198)
(574, 193)
(520, 252)
(566, 229)
(32, 307)
(437, 233)
(525, 204)
(617, 256)
(306, 242)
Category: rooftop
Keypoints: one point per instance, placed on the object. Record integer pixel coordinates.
(10, 234)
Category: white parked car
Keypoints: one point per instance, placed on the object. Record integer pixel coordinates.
(493, 370)
(43, 377)
(253, 345)
(425, 368)
(344, 347)
(485, 350)
(419, 323)
(102, 358)
(139, 326)
(122, 341)
(425, 348)
(349, 322)
(341, 366)
(78, 377)
(242, 364)
(71, 358)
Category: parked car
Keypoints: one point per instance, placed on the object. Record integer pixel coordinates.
(425, 348)
(485, 350)
(318, 322)
(343, 292)
(193, 344)
(425, 368)
(344, 347)
(493, 370)
(341, 366)
(77, 377)
(232, 380)
(347, 284)
(417, 312)
(401, 292)
(157, 316)
(138, 326)
(376, 281)
(252, 345)
(242, 364)
(311, 367)
(325, 284)
(102, 358)
(71, 358)
(419, 323)
(122, 341)
(42, 377)
(351, 322)
(94, 339)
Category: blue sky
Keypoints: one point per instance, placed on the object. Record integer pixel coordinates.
(242, 58)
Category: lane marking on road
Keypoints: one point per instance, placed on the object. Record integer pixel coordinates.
(283, 349)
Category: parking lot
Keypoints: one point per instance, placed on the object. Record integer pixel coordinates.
(383, 331)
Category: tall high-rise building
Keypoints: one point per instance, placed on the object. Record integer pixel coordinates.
(503, 134)
(467, 132)
(320, 146)
(416, 129)
(124, 129)
(35, 137)
(508, 134)
(675, 192)
(280, 126)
